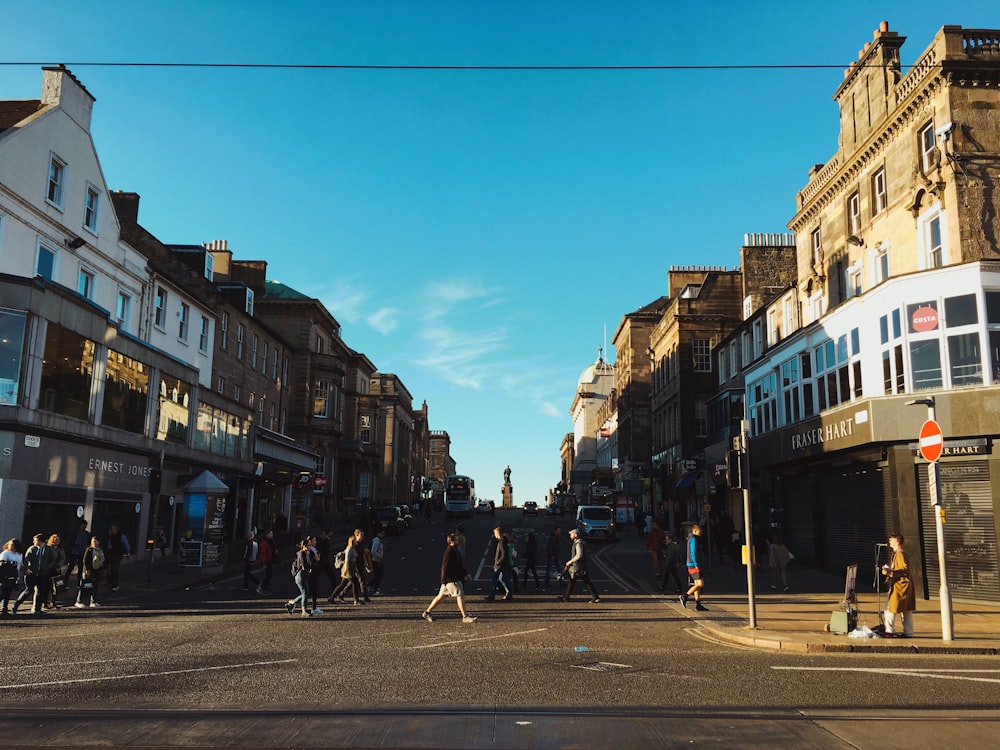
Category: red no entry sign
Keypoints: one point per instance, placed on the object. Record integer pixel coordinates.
(931, 440)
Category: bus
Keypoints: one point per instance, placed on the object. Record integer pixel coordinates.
(459, 496)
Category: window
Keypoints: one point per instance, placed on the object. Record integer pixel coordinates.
(203, 335)
(701, 350)
(220, 385)
(182, 323)
(758, 339)
(734, 358)
(965, 360)
(284, 370)
(240, 331)
(925, 142)
(209, 266)
(45, 263)
(366, 429)
(700, 419)
(263, 359)
(773, 327)
(854, 283)
(880, 199)
(57, 176)
(925, 361)
(933, 254)
(817, 247)
(253, 351)
(723, 365)
(249, 304)
(788, 314)
(160, 312)
(237, 393)
(90, 206)
(854, 213)
(321, 399)
(224, 332)
(880, 263)
(274, 363)
(85, 283)
(123, 309)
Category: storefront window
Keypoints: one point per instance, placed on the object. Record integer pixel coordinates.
(126, 386)
(66, 371)
(174, 410)
(965, 360)
(11, 352)
(925, 363)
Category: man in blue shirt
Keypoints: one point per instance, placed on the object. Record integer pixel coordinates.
(693, 571)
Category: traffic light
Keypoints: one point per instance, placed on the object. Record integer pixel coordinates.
(733, 474)
(155, 480)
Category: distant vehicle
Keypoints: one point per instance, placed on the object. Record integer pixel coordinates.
(596, 522)
(391, 519)
(459, 496)
(486, 506)
(407, 515)
(554, 509)
(530, 508)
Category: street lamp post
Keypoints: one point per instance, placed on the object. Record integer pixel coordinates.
(934, 490)
(747, 521)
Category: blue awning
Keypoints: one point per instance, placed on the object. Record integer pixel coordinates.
(688, 480)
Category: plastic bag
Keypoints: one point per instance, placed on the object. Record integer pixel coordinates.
(862, 631)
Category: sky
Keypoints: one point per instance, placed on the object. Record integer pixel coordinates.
(479, 233)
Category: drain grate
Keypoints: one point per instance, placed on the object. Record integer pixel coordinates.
(602, 666)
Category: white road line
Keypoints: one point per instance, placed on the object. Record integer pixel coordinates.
(146, 674)
(935, 674)
(484, 638)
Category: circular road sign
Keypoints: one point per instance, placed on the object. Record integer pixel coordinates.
(931, 440)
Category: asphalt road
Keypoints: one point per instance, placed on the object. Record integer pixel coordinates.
(219, 666)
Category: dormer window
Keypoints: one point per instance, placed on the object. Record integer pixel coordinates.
(249, 305)
(209, 266)
(691, 291)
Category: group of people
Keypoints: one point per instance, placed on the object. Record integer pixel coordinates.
(44, 570)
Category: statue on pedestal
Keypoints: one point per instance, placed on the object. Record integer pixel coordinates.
(506, 475)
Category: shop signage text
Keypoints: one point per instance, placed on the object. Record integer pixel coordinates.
(824, 434)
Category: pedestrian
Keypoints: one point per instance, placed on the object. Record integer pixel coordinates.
(671, 554)
(778, 557)
(530, 559)
(501, 568)
(11, 565)
(81, 541)
(251, 553)
(378, 561)
(116, 548)
(693, 571)
(576, 569)
(301, 565)
(365, 566)
(902, 597)
(553, 555)
(349, 571)
(511, 561)
(56, 581)
(268, 556)
(38, 559)
(94, 567)
(453, 574)
(324, 566)
(654, 542)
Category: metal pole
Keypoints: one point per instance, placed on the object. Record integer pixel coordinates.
(747, 525)
(934, 489)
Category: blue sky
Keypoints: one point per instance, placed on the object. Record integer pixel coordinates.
(474, 232)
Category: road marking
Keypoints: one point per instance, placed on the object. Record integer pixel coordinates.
(484, 638)
(146, 674)
(70, 663)
(952, 674)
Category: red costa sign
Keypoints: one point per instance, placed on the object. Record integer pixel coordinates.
(924, 319)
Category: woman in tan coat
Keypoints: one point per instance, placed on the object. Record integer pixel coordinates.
(902, 598)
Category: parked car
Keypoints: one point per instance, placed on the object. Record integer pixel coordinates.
(596, 522)
(391, 519)
(530, 508)
(554, 509)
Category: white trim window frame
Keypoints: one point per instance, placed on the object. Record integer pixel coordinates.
(123, 309)
(86, 282)
(321, 398)
(854, 213)
(182, 322)
(788, 321)
(55, 185)
(926, 145)
(91, 208)
(817, 246)
(203, 335)
(932, 239)
(879, 259)
(854, 279)
(46, 259)
(160, 308)
(880, 194)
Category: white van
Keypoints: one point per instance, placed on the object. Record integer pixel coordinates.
(595, 522)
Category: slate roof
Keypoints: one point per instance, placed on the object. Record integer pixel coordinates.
(13, 112)
(277, 290)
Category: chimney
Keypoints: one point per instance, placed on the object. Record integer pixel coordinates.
(62, 89)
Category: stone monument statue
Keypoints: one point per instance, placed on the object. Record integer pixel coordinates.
(506, 475)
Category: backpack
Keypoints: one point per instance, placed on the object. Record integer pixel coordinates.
(97, 559)
(296, 568)
(341, 559)
(8, 572)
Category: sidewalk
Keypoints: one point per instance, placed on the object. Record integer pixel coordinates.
(796, 621)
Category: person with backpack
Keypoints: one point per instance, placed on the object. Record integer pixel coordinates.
(11, 562)
(671, 553)
(94, 567)
(302, 564)
(349, 560)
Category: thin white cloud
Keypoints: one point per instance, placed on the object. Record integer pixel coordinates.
(551, 410)
(385, 320)
(345, 302)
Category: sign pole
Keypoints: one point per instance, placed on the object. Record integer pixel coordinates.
(747, 523)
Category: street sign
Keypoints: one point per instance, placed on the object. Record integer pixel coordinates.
(931, 440)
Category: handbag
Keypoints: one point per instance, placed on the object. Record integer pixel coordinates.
(87, 584)
(58, 583)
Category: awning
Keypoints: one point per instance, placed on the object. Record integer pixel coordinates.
(688, 480)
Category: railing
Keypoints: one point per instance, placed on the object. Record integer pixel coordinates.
(981, 42)
(916, 74)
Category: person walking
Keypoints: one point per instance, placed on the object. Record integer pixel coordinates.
(902, 597)
(323, 566)
(378, 561)
(116, 548)
(11, 565)
(531, 559)
(81, 541)
(268, 556)
(349, 572)
(93, 570)
(654, 542)
(778, 557)
(251, 553)
(38, 559)
(501, 568)
(553, 555)
(301, 566)
(694, 571)
(576, 569)
(56, 582)
(671, 554)
(453, 575)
